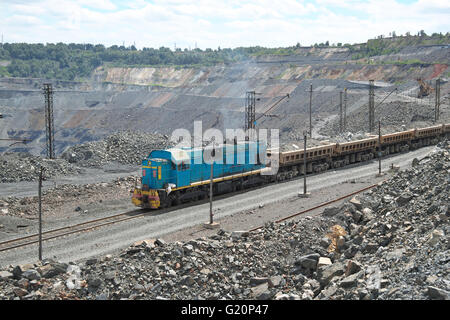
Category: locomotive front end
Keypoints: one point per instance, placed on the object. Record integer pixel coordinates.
(146, 195)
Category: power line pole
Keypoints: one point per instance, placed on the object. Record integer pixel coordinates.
(371, 105)
(345, 109)
(304, 166)
(50, 127)
(211, 193)
(437, 100)
(40, 212)
(341, 120)
(211, 223)
(310, 111)
(379, 146)
(305, 194)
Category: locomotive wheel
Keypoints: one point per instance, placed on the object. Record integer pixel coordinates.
(166, 203)
(176, 201)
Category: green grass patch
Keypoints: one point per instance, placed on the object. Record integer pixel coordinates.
(4, 72)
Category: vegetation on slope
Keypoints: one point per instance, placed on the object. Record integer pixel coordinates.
(393, 44)
(77, 61)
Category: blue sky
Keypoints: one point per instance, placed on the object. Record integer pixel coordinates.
(214, 23)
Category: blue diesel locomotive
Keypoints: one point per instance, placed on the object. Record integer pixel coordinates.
(177, 175)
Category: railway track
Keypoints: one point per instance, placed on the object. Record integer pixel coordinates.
(64, 231)
(320, 205)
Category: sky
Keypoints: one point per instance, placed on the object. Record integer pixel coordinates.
(217, 23)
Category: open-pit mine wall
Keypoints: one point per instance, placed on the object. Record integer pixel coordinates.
(163, 99)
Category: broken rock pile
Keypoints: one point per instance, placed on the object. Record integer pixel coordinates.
(398, 237)
(125, 147)
(59, 197)
(22, 166)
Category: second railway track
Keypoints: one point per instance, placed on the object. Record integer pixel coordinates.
(64, 231)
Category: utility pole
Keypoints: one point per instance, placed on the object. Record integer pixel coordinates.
(310, 111)
(211, 193)
(379, 146)
(371, 105)
(50, 127)
(305, 194)
(304, 166)
(437, 100)
(211, 223)
(40, 212)
(341, 120)
(345, 109)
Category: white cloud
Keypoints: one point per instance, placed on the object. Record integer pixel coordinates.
(98, 4)
(213, 23)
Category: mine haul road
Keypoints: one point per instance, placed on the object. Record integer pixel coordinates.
(110, 239)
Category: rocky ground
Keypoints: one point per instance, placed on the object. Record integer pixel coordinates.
(389, 243)
(126, 147)
(67, 199)
(23, 166)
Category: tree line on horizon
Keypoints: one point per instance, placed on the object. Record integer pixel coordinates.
(78, 61)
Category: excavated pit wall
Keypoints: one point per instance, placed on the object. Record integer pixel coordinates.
(159, 100)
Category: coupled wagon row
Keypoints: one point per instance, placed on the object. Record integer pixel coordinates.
(178, 175)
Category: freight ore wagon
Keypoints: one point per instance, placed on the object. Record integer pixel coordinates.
(335, 155)
(177, 175)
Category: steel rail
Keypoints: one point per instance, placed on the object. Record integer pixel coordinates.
(321, 205)
(66, 228)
